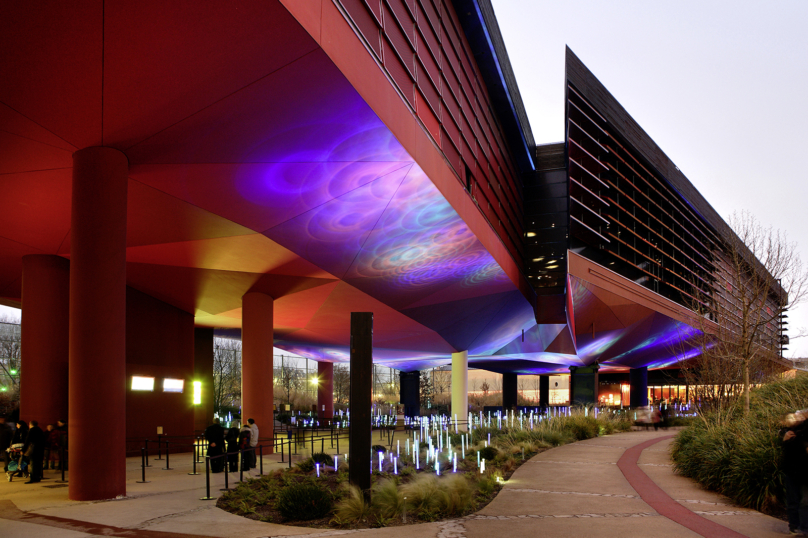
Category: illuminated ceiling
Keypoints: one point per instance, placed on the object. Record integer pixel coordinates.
(257, 171)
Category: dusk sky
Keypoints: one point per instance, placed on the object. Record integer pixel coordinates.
(719, 86)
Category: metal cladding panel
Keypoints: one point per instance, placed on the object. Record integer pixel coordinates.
(422, 46)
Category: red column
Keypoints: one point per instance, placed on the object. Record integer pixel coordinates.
(97, 419)
(325, 390)
(256, 363)
(45, 308)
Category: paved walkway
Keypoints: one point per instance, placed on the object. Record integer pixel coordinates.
(620, 485)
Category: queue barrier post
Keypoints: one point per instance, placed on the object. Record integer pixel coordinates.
(143, 466)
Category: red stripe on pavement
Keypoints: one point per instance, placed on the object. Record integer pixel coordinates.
(660, 501)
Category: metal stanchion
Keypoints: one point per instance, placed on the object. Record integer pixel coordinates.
(282, 453)
(241, 467)
(290, 453)
(167, 467)
(226, 473)
(322, 444)
(207, 481)
(143, 466)
(146, 445)
(261, 460)
(193, 456)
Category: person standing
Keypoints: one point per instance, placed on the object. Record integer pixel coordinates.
(61, 427)
(244, 444)
(214, 435)
(253, 440)
(5, 441)
(51, 446)
(232, 446)
(794, 436)
(35, 449)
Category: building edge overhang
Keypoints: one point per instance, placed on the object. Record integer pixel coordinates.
(485, 39)
(607, 105)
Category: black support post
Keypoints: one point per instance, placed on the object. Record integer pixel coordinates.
(544, 391)
(410, 392)
(360, 392)
(638, 385)
(509, 391)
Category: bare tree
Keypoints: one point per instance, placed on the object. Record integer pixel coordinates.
(342, 383)
(289, 379)
(759, 277)
(442, 384)
(426, 390)
(226, 374)
(10, 350)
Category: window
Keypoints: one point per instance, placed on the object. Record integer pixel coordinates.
(173, 385)
(143, 383)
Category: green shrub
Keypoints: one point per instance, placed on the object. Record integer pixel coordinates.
(739, 455)
(322, 458)
(352, 507)
(306, 465)
(387, 499)
(304, 501)
(378, 448)
(489, 453)
(583, 427)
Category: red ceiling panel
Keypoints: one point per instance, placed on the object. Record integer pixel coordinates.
(35, 208)
(51, 66)
(165, 61)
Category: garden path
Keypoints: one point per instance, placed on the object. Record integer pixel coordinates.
(619, 485)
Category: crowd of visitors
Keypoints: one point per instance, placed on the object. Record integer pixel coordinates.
(231, 442)
(27, 450)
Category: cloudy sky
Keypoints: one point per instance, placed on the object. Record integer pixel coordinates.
(720, 86)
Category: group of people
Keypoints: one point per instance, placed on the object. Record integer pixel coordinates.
(28, 449)
(232, 441)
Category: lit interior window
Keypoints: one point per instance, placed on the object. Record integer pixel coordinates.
(173, 385)
(197, 392)
(142, 383)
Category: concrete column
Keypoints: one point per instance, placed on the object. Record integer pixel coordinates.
(638, 386)
(325, 390)
(584, 385)
(410, 392)
(510, 391)
(45, 338)
(97, 385)
(203, 372)
(544, 391)
(460, 387)
(257, 341)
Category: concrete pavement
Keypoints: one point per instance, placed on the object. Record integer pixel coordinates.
(571, 490)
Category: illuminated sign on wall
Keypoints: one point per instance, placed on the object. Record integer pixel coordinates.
(142, 383)
(197, 392)
(173, 385)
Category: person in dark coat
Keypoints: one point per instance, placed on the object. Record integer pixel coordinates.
(6, 434)
(20, 433)
(34, 448)
(61, 427)
(794, 436)
(244, 438)
(232, 446)
(51, 446)
(214, 434)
